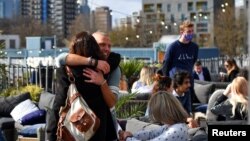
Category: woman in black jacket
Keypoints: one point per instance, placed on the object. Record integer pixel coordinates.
(233, 107)
(232, 69)
(84, 44)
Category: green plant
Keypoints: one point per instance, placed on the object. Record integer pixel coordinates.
(3, 72)
(34, 91)
(131, 67)
(127, 107)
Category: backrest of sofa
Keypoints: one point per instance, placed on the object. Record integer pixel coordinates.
(46, 100)
(214, 96)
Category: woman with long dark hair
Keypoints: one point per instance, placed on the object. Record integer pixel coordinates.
(95, 95)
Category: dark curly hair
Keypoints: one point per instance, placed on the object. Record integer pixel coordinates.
(161, 83)
(84, 44)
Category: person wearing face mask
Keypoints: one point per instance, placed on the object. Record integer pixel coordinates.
(181, 55)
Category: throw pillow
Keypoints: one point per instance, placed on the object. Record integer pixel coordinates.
(34, 118)
(31, 131)
(23, 109)
(9, 103)
(203, 92)
(46, 100)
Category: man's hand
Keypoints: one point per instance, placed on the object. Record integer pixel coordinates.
(103, 66)
(94, 77)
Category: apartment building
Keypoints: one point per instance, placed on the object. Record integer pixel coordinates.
(57, 12)
(163, 17)
(9, 8)
(101, 19)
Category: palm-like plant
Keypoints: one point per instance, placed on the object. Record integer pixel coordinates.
(131, 67)
(127, 107)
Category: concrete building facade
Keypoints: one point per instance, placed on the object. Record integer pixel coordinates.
(57, 12)
(163, 17)
(9, 8)
(10, 41)
(101, 19)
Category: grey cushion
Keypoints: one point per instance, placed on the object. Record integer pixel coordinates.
(134, 125)
(228, 122)
(6, 123)
(214, 96)
(46, 100)
(203, 91)
(218, 85)
(9, 103)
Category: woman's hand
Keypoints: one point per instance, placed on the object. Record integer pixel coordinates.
(95, 77)
(123, 135)
(227, 92)
(103, 66)
(192, 123)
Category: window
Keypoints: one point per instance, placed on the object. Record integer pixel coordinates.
(183, 18)
(169, 7)
(159, 7)
(193, 16)
(2, 42)
(190, 6)
(201, 6)
(172, 18)
(148, 7)
(12, 44)
(179, 7)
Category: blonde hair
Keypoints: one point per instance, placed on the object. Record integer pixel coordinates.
(239, 93)
(166, 108)
(186, 24)
(146, 75)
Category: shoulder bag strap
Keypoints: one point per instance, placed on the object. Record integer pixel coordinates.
(70, 74)
(69, 101)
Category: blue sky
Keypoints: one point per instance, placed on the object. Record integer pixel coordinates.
(239, 2)
(120, 8)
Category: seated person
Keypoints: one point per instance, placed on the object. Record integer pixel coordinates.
(232, 105)
(181, 87)
(123, 85)
(232, 70)
(167, 110)
(161, 83)
(145, 82)
(200, 72)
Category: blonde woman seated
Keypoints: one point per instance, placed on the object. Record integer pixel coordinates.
(166, 109)
(232, 105)
(145, 82)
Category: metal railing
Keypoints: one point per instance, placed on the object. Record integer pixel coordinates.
(44, 76)
(215, 65)
(18, 75)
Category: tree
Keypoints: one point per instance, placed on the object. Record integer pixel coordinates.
(81, 23)
(25, 26)
(3, 73)
(124, 37)
(229, 32)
